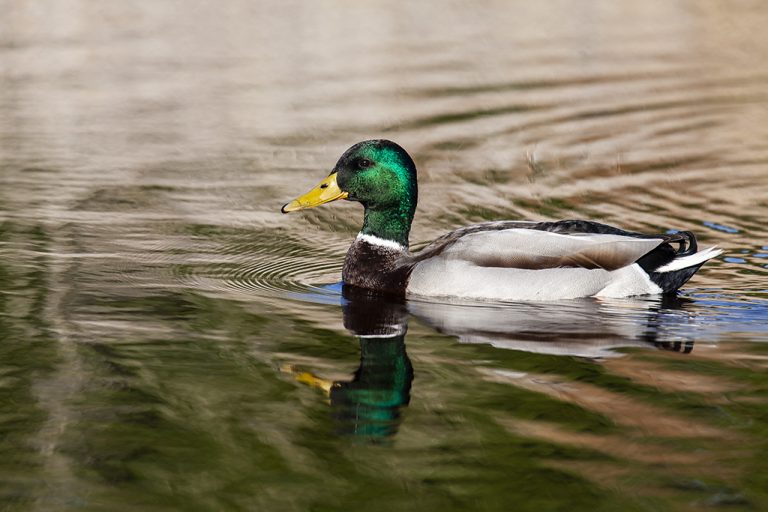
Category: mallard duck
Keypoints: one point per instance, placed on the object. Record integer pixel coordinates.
(503, 260)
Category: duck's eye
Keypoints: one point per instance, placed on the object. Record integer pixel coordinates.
(364, 163)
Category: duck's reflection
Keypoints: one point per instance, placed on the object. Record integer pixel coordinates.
(370, 405)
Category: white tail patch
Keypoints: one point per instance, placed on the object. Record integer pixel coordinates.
(691, 260)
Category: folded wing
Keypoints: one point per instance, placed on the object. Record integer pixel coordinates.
(537, 250)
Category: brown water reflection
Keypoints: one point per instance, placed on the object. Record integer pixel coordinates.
(151, 292)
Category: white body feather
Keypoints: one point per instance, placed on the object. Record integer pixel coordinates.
(502, 265)
(455, 278)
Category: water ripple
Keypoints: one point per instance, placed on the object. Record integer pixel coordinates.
(274, 267)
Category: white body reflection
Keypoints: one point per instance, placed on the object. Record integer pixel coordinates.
(585, 328)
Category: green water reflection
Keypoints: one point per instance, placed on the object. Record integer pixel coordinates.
(172, 400)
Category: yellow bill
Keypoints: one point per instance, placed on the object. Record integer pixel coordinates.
(325, 192)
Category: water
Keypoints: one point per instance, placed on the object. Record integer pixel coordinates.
(170, 341)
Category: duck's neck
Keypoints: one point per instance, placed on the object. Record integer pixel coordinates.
(389, 224)
(375, 259)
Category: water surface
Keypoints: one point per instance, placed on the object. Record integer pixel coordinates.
(170, 341)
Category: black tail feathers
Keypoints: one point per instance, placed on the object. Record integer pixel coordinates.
(671, 281)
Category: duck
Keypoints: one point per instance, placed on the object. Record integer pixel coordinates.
(505, 260)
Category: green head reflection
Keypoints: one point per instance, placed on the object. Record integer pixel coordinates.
(370, 404)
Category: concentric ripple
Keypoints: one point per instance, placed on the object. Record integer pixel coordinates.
(274, 265)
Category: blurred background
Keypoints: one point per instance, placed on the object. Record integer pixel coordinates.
(170, 341)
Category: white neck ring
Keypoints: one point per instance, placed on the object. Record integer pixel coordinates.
(380, 242)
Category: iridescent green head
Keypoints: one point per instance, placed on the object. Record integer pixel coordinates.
(382, 177)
